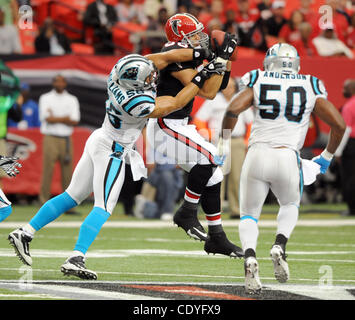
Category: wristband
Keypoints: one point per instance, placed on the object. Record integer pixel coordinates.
(327, 155)
(199, 80)
(201, 54)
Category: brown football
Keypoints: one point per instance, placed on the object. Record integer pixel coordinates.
(219, 36)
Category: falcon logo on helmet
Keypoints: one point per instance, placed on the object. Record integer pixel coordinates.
(175, 24)
(185, 28)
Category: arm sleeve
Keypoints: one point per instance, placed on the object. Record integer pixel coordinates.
(318, 88)
(225, 80)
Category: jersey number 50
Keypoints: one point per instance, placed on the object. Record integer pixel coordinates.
(276, 107)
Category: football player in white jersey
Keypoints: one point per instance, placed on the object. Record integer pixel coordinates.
(283, 100)
(101, 169)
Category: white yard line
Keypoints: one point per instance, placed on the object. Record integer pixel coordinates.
(167, 224)
(40, 253)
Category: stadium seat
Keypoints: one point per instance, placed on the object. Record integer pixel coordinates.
(82, 48)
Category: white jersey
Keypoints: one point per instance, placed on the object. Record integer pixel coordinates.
(126, 111)
(283, 104)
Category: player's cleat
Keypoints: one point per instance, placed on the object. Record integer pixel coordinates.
(75, 266)
(252, 280)
(219, 243)
(20, 242)
(187, 220)
(278, 258)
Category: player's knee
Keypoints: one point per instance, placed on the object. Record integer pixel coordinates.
(5, 212)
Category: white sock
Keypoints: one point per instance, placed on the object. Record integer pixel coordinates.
(287, 219)
(77, 253)
(248, 233)
(29, 230)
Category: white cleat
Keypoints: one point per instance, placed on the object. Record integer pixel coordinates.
(278, 257)
(20, 242)
(75, 266)
(252, 280)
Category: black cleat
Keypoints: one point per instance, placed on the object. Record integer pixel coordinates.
(219, 243)
(187, 220)
(75, 266)
(20, 241)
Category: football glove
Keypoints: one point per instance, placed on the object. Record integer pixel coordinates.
(226, 49)
(222, 151)
(324, 160)
(10, 165)
(216, 66)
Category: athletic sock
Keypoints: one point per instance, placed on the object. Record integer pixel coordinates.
(196, 182)
(248, 232)
(5, 212)
(51, 210)
(281, 241)
(211, 205)
(91, 228)
(249, 253)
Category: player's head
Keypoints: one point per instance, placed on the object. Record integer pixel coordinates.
(185, 28)
(283, 58)
(136, 72)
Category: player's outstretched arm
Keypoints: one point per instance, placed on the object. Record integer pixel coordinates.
(327, 112)
(242, 101)
(163, 59)
(166, 104)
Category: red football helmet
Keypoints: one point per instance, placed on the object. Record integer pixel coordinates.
(183, 27)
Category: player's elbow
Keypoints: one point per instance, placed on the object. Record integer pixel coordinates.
(208, 95)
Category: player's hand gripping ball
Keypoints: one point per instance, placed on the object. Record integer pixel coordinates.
(224, 44)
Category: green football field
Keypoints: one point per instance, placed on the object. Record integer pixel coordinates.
(321, 256)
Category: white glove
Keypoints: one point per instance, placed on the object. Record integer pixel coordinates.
(10, 165)
(223, 150)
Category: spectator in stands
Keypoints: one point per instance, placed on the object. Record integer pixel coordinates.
(211, 112)
(30, 115)
(339, 21)
(155, 43)
(10, 9)
(328, 45)
(59, 112)
(230, 25)
(50, 40)
(347, 154)
(351, 34)
(9, 37)
(309, 15)
(128, 11)
(160, 191)
(289, 32)
(274, 24)
(101, 17)
(215, 13)
(151, 7)
(250, 29)
(305, 46)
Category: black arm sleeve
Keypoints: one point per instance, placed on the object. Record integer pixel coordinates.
(225, 80)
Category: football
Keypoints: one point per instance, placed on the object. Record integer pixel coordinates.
(219, 36)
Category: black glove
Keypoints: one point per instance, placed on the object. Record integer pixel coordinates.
(203, 53)
(210, 69)
(226, 49)
(10, 165)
